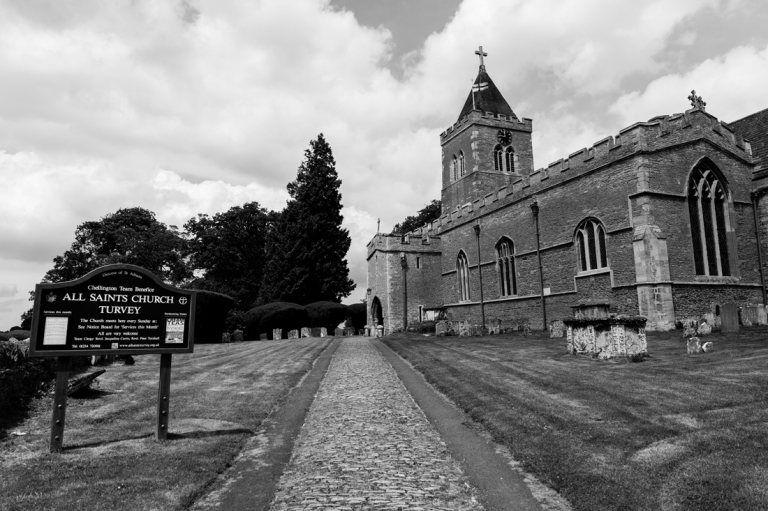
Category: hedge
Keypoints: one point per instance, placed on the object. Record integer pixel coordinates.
(264, 318)
(211, 315)
(19, 335)
(326, 314)
(358, 315)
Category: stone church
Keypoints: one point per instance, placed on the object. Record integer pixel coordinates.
(668, 219)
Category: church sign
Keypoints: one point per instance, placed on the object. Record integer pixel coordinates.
(118, 309)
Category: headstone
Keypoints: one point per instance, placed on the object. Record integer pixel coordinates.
(305, 332)
(747, 322)
(338, 332)
(477, 330)
(704, 329)
(226, 337)
(694, 345)
(718, 325)
(293, 334)
(323, 332)
(277, 334)
(316, 332)
(263, 337)
(441, 328)
(526, 330)
(237, 335)
(689, 332)
(465, 330)
(762, 315)
(707, 347)
(729, 318)
(556, 328)
(709, 318)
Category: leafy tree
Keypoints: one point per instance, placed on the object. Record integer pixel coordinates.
(429, 213)
(128, 236)
(308, 246)
(26, 319)
(229, 249)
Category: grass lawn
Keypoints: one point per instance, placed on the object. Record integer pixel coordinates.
(219, 396)
(676, 431)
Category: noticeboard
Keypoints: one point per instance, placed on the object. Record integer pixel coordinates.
(119, 309)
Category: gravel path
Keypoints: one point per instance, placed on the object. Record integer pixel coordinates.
(365, 444)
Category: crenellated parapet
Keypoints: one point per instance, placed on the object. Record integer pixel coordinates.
(423, 239)
(488, 119)
(656, 134)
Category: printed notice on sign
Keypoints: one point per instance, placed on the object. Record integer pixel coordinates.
(55, 331)
(174, 330)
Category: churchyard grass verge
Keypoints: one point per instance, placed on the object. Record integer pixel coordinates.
(675, 431)
(219, 396)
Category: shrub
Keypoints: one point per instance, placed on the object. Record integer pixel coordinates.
(265, 318)
(425, 327)
(19, 335)
(326, 314)
(358, 315)
(15, 328)
(211, 315)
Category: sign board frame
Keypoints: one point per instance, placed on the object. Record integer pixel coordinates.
(161, 292)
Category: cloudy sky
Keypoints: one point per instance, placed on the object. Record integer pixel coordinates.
(194, 106)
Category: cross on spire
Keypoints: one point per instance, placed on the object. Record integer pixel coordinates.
(480, 53)
(697, 101)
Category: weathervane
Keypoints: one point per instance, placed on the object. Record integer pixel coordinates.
(480, 53)
(697, 101)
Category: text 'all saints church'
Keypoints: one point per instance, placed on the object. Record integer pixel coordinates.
(667, 220)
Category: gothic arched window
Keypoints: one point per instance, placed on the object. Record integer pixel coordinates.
(498, 159)
(708, 211)
(590, 238)
(454, 168)
(462, 271)
(505, 255)
(461, 164)
(509, 159)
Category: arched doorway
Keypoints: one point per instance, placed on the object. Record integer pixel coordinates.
(376, 313)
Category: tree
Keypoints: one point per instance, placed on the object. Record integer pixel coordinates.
(429, 213)
(308, 246)
(128, 236)
(229, 249)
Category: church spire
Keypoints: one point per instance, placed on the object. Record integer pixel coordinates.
(484, 96)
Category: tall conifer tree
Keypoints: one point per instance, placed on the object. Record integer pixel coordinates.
(307, 245)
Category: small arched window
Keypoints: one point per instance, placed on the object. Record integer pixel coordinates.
(498, 159)
(454, 168)
(505, 255)
(509, 159)
(708, 212)
(590, 238)
(462, 272)
(461, 164)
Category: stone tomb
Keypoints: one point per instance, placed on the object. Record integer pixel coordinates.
(594, 332)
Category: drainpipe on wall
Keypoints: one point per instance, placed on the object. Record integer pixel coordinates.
(755, 196)
(535, 210)
(480, 273)
(404, 265)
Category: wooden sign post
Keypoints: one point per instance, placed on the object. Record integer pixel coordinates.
(118, 309)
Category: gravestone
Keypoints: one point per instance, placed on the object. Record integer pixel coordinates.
(729, 318)
(747, 322)
(226, 337)
(348, 331)
(762, 316)
(277, 334)
(293, 334)
(707, 347)
(694, 346)
(263, 337)
(556, 328)
(237, 335)
(305, 332)
(465, 330)
(689, 332)
(323, 332)
(704, 329)
(441, 328)
(316, 332)
(338, 332)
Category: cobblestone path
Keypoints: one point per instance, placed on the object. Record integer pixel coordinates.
(365, 444)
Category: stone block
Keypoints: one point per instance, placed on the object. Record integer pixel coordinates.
(263, 337)
(293, 334)
(556, 329)
(708, 347)
(316, 332)
(277, 334)
(237, 336)
(306, 332)
(441, 328)
(338, 332)
(694, 345)
(323, 332)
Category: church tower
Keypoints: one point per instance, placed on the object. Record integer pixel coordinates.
(486, 148)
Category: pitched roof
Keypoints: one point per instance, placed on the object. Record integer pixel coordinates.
(489, 99)
(754, 128)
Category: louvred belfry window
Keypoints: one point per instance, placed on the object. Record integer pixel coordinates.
(461, 163)
(506, 267)
(454, 168)
(590, 238)
(707, 210)
(462, 271)
(509, 157)
(498, 159)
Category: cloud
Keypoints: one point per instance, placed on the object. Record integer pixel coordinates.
(8, 290)
(733, 85)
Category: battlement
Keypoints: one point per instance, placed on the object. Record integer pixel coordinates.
(657, 133)
(522, 124)
(423, 239)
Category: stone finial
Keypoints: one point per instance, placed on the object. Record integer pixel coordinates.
(697, 101)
